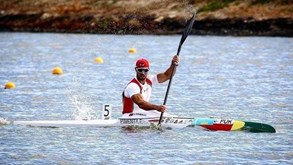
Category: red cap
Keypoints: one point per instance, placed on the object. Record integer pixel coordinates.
(142, 63)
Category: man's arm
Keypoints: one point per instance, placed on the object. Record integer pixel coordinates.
(162, 77)
(138, 99)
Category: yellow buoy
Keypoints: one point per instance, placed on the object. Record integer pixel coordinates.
(9, 85)
(99, 60)
(132, 50)
(57, 70)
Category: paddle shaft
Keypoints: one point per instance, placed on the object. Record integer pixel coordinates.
(184, 36)
(169, 85)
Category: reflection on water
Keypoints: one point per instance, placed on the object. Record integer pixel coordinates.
(246, 78)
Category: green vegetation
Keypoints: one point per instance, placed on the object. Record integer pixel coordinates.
(215, 5)
(256, 2)
(285, 2)
(276, 2)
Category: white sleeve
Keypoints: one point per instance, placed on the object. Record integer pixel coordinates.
(154, 79)
(131, 89)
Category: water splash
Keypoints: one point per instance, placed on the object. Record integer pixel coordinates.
(83, 111)
(189, 7)
(80, 101)
(4, 121)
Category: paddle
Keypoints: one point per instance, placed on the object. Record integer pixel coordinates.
(183, 38)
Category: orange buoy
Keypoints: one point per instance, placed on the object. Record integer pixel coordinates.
(99, 60)
(132, 50)
(9, 85)
(57, 71)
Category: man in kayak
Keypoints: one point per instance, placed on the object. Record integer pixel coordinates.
(137, 93)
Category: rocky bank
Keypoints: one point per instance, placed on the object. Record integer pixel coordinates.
(214, 17)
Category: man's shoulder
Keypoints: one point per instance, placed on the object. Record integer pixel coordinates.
(132, 85)
(153, 79)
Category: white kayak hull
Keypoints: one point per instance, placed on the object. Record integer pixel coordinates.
(168, 122)
(121, 122)
(70, 123)
(142, 120)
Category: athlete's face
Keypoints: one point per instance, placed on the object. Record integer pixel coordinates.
(141, 73)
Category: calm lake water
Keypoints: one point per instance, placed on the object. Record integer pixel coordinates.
(246, 78)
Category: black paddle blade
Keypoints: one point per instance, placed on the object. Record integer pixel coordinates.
(186, 31)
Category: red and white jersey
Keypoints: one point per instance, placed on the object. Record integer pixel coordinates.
(135, 87)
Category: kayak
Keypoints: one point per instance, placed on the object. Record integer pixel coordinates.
(167, 122)
(140, 120)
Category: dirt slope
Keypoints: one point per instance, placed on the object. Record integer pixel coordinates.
(215, 17)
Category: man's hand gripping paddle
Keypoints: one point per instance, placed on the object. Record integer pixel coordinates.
(183, 38)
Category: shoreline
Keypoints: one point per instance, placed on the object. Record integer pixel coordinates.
(282, 27)
(232, 18)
